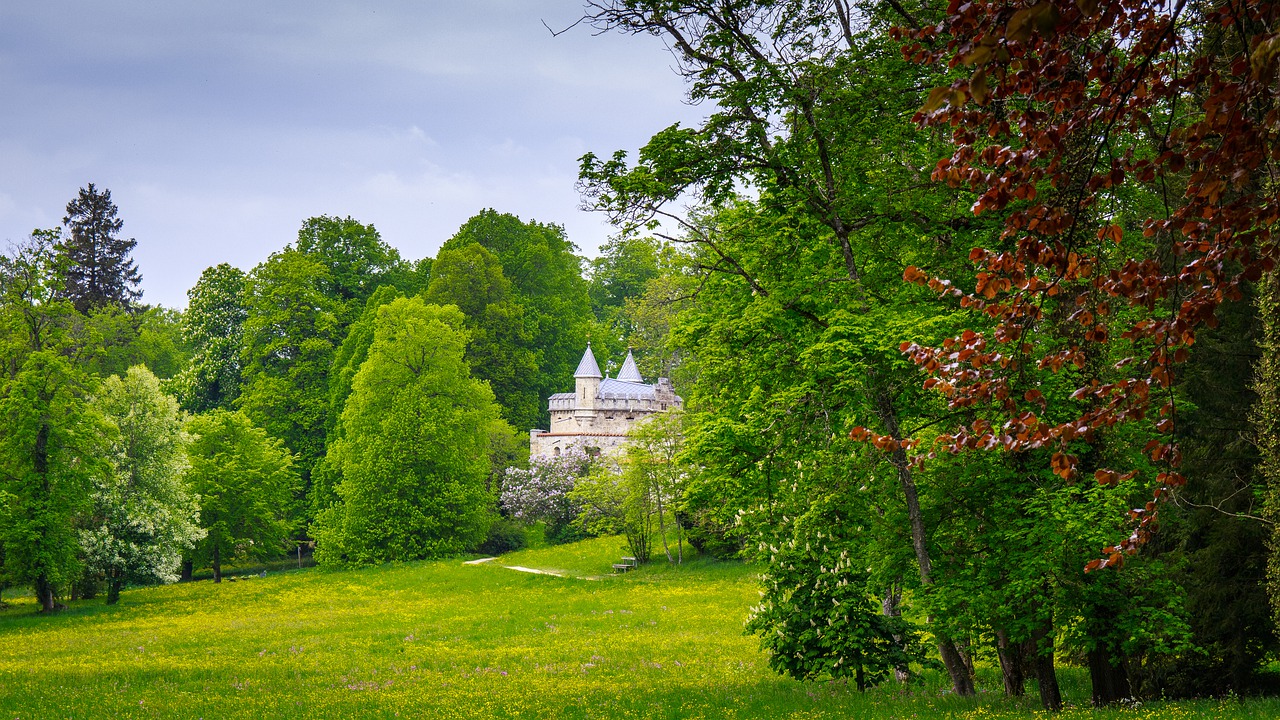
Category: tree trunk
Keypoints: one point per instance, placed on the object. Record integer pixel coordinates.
(113, 590)
(961, 680)
(889, 608)
(1010, 656)
(217, 566)
(187, 568)
(44, 593)
(679, 539)
(1109, 678)
(662, 526)
(1041, 644)
(1266, 420)
(962, 649)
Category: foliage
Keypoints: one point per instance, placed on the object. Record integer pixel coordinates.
(350, 355)
(213, 326)
(245, 481)
(98, 269)
(501, 349)
(291, 329)
(355, 259)
(616, 502)
(50, 438)
(544, 492)
(621, 270)
(1266, 423)
(414, 450)
(546, 283)
(817, 617)
(143, 335)
(652, 461)
(1058, 154)
(143, 517)
(505, 535)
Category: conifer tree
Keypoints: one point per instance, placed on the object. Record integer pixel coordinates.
(99, 270)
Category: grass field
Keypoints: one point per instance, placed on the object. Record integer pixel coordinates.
(448, 640)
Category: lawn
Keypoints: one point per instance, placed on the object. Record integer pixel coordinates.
(448, 640)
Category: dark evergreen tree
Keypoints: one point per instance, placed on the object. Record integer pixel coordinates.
(99, 269)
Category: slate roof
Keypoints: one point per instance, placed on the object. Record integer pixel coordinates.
(621, 389)
(629, 371)
(588, 367)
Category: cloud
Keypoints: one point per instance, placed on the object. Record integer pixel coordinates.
(219, 127)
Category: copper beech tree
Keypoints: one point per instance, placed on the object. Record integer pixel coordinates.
(1057, 110)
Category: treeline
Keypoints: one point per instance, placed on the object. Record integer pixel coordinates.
(985, 351)
(336, 392)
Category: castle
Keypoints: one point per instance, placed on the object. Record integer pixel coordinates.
(601, 410)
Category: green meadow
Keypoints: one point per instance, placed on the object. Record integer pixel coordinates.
(448, 640)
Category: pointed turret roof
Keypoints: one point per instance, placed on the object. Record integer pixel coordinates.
(629, 371)
(588, 368)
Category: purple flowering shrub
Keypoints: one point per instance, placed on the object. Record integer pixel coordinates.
(542, 493)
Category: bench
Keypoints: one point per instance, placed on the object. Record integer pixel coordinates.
(628, 563)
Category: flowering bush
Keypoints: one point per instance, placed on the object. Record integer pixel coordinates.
(543, 492)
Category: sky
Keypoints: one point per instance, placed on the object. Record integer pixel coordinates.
(220, 126)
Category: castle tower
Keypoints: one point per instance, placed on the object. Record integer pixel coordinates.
(586, 381)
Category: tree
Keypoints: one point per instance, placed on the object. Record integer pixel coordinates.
(143, 517)
(816, 617)
(99, 271)
(50, 438)
(544, 492)
(652, 460)
(245, 481)
(354, 350)
(299, 305)
(143, 335)
(355, 258)
(1124, 148)
(501, 347)
(546, 284)
(809, 114)
(291, 330)
(413, 454)
(213, 326)
(616, 504)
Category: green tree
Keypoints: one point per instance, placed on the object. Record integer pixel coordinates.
(291, 330)
(547, 284)
(500, 350)
(652, 460)
(346, 363)
(414, 453)
(245, 481)
(98, 268)
(817, 617)
(812, 107)
(50, 439)
(612, 502)
(355, 258)
(143, 517)
(620, 272)
(213, 326)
